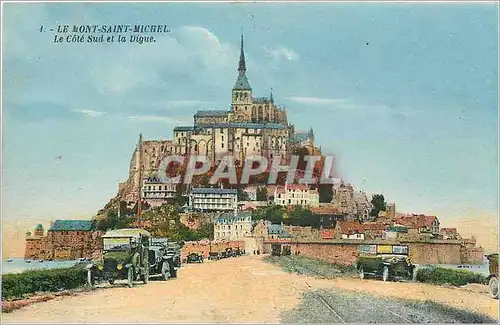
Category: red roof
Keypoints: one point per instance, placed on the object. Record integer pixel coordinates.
(416, 221)
(350, 227)
(374, 226)
(328, 234)
(449, 230)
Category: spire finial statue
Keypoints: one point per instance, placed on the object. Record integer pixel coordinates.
(242, 68)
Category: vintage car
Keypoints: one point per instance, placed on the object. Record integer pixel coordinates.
(388, 266)
(125, 256)
(164, 258)
(213, 256)
(493, 277)
(275, 249)
(194, 258)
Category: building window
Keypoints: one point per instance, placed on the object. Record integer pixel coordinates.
(222, 145)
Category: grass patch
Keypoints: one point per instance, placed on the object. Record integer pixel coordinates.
(310, 266)
(449, 314)
(20, 285)
(449, 276)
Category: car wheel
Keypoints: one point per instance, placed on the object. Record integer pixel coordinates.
(130, 277)
(145, 276)
(111, 282)
(90, 279)
(385, 274)
(361, 273)
(493, 284)
(173, 273)
(165, 271)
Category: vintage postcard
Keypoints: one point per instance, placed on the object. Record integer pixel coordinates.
(249, 162)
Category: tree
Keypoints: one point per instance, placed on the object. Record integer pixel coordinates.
(206, 230)
(379, 204)
(162, 221)
(242, 195)
(261, 194)
(179, 198)
(300, 216)
(325, 193)
(273, 213)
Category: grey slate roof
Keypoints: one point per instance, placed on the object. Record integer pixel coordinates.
(184, 128)
(300, 137)
(233, 125)
(209, 113)
(72, 225)
(261, 100)
(228, 218)
(207, 190)
(247, 125)
(242, 83)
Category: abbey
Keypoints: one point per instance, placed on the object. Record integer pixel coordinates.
(253, 126)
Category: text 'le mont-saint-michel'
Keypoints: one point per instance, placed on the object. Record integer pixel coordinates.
(140, 34)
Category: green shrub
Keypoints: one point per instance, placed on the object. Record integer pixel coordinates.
(449, 276)
(17, 285)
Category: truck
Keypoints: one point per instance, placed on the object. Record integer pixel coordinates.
(125, 256)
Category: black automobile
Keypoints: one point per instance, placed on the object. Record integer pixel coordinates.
(163, 261)
(213, 256)
(125, 256)
(194, 258)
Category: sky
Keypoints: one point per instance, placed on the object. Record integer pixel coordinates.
(403, 95)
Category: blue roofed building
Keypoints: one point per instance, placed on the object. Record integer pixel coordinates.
(213, 199)
(233, 226)
(65, 240)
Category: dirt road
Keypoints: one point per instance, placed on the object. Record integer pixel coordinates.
(238, 290)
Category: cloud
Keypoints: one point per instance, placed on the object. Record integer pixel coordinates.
(156, 118)
(282, 53)
(186, 103)
(90, 112)
(316, 100)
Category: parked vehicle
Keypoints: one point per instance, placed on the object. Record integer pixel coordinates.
(164, 258)
(278, 249)
(493, 277)
(275, 249)
(194, 258)
(213, 256)
(388, 266)
(125, 256)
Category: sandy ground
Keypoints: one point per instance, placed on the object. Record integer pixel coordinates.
(238, 290)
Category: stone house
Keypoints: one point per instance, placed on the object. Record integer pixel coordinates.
(233, 227)
(374, 230)
(423, 224)
(449, 233)
(65, 240)
(349, 230)
(296, 194)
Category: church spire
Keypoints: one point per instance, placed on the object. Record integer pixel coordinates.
(271, 99)
(242, 68)
(242, 81)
